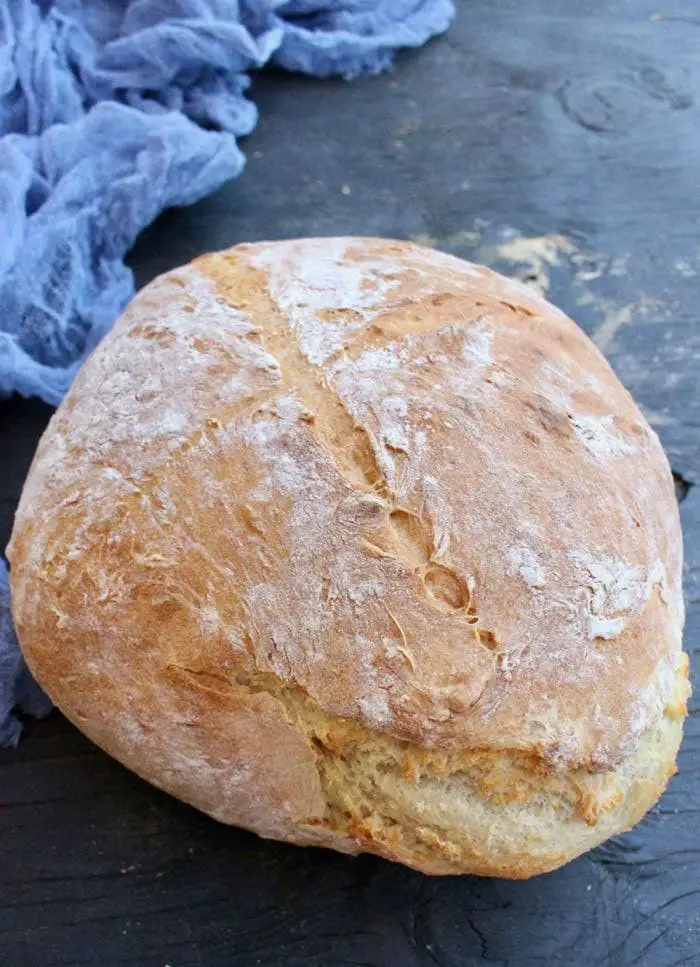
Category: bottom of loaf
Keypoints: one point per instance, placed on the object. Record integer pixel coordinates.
(262, 755)
(480, 811)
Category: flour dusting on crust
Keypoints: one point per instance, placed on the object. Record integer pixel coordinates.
(312, 286)
(599, 436)
(523, 561)
(616, 590)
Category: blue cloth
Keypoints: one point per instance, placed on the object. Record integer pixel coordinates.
(111, 112)
(18, 690)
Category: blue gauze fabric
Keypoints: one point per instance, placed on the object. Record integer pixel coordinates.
(111, 112)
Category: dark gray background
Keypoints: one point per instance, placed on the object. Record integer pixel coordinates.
(576, 124)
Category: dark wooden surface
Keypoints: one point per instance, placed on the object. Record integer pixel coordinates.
(576, 124)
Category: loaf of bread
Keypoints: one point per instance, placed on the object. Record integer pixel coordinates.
(356, 544)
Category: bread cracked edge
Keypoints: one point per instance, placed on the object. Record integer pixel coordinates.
(487, 812)
(254, 751)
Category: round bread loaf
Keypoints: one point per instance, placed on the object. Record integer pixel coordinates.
(357, 544)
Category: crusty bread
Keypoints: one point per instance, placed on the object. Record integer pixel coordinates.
(357, 544)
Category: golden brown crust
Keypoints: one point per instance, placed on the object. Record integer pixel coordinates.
(315, 496)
